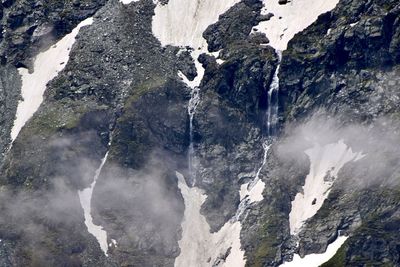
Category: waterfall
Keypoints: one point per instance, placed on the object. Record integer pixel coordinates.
(273, 100)
(252, 191)
(193, 102)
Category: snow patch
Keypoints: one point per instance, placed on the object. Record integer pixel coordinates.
(113, 243)
(326, 162)
(196, 16)
(125, 2)
(315, 260)
(290, 19)
(199, 247)
(182, 22)
(253, 190)
(46, 66)
(85, 197)
(354, 24)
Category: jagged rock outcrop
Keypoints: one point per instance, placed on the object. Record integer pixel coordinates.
(120, 93)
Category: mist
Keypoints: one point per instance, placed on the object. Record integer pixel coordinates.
(378, 143)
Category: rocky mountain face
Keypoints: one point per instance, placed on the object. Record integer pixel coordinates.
(125, 98)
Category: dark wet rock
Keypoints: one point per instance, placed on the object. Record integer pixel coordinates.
(228, 125)
(121, 86)
(9, 95)
(265, 17)
(233, 26)
(30, 26)
(319, 67)
(82, 106)
(258, 38)
(265, 234)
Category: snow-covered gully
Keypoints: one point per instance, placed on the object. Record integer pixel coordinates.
(326, 162)
(46, 66)
(316, 260)
(85, 197)
(198, 246)
(167, 27)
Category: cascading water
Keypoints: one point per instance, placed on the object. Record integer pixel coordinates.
(193, 102)
(273, 100)
(252, 191)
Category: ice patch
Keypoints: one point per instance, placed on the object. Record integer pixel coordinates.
(199, 247)
(46, 66)
(315, 260)
(85, 197)
(326, 162)
(290, 19)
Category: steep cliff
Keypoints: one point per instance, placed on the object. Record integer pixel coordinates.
(199, 133)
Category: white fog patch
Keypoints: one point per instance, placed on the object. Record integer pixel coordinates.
(85, 197)
(46, 66)
(291, 18)
(326, 162)
(316, 260)
(199, 247)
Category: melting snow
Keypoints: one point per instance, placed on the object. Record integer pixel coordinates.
(326, 162)
(291, 18)
(85, 197)
(315, 260)
(255, 189)
(200, 247)
(46, 66)
(182, 22)
(196, 16)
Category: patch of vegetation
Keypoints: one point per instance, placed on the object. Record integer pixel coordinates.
(339, 260)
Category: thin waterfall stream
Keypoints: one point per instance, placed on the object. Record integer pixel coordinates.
(193, 102)
(252, 191)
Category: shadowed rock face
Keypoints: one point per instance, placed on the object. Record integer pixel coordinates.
(345, 54)
(120, 92)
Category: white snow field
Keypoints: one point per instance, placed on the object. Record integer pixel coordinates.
(199, 247)
(326, 162)
(182, 23)
(85, 197)
(291, 18)
(315, 260)
(46, 66)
